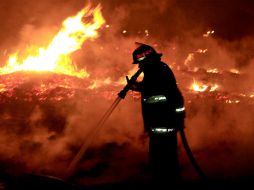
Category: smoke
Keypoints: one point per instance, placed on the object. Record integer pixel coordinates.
(220, 136)
(43, 138)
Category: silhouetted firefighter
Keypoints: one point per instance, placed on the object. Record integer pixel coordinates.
(163, 111)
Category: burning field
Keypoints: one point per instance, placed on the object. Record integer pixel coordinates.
(60, 72)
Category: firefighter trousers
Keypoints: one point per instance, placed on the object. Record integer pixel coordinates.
(163, 156)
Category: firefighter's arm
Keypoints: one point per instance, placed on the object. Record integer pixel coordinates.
(135, 86)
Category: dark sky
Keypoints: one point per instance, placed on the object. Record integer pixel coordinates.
(231, 19)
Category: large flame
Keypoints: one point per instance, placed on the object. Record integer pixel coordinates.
(56, 56)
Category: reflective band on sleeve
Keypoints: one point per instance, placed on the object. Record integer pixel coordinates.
(162, 130)
(155, 99)
(180, 109)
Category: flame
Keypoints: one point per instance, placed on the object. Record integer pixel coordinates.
(56, 56)
(215, 70)
(234, 71)
(214, 87)
(200, 87)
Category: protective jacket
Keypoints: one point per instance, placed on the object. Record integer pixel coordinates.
(162, 101)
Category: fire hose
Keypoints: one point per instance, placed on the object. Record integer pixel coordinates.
(190, 156)
(121, 95)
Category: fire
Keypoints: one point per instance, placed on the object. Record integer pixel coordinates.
(200, 87)
(234, 71)
(214, 87)
(56, 56)
(215, 70)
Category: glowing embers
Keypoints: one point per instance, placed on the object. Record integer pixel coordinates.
(214, 70)
(56, 56)
(232, 101)
(40, 87)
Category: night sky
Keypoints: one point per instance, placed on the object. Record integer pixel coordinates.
(166, 19)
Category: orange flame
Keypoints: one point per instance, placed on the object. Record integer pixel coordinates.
(235, 71)
(56, 56)
(200, 87)
(215, 70)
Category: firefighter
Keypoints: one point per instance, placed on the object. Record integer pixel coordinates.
(163, 112)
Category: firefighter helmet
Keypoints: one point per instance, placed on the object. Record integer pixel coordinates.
(143, 52)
